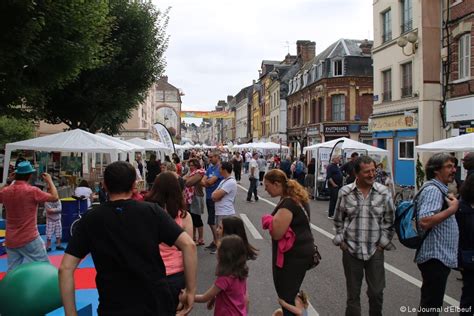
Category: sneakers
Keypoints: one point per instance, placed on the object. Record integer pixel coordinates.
(256, 199)
(212, 247)
(48, 249)
(249, 201)
(60, 248)
(213, 252)
(331, 217)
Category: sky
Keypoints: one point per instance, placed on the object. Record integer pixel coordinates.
(216, 46)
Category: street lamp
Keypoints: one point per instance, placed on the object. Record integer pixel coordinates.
(403, 41)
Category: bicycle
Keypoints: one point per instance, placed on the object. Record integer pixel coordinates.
(72, 228)
(406, 193)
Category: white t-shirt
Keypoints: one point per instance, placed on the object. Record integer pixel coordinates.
(253, 164)
(84, 191)
(226, 205)
(248, 157)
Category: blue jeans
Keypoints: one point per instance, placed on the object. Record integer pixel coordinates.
(31, 252)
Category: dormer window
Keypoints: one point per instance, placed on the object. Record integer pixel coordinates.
(337, 69)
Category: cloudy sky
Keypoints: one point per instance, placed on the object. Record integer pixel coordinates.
(216, 46)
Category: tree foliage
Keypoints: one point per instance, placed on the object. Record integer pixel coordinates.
(104, 97)
(44, 44)
(14, 130)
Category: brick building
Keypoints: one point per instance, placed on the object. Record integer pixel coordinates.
(457, 52)
(331, 95)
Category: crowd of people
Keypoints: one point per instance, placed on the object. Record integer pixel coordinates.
(143, 244)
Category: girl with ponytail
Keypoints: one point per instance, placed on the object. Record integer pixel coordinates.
(291, 213)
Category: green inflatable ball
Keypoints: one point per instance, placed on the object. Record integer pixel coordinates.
(30, 289)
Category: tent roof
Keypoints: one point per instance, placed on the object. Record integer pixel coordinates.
(459, 143)
(75, 140)
(148, 144)
(348, 144)
(133, 147)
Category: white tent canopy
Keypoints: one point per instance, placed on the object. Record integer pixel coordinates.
(131, 146)
(459, 143)
(348, 144)
(148, 144)
(70, 141)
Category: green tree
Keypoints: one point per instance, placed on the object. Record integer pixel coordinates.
(45, 44)
(103, 98)
(14, 130)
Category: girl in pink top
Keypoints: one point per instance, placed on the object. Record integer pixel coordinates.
(229, 291)
(166, 191)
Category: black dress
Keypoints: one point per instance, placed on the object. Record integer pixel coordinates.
(298, 259)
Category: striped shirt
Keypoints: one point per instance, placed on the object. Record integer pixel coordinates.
(364, 223)
(442, 242)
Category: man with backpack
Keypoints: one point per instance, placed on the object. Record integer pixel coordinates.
(437, 254)
(363, 222)
(300, 172)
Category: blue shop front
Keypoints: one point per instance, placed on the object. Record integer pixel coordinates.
(398, 134)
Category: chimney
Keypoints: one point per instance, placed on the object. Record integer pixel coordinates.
(289, 59)
(164, 78)
(305, 50)
(229, 99)
(366, 47)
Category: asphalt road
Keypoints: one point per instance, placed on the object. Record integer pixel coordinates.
(325, 284)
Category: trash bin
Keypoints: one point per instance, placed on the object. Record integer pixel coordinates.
(70, 210)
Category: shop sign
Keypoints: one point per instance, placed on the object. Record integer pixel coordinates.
(364, 129)
(335, 129)
(396, 122)
(314, 130)
(466, 128)
(460, 110)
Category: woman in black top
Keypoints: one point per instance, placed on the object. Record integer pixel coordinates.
(291, 212)
(465, 219)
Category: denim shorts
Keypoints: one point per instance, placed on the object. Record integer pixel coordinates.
(31, 252)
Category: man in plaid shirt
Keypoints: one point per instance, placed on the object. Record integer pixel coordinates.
(364, 215)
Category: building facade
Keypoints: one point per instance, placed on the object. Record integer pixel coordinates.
(458, 70)
(407, 80)
(242, 118)
(331, 94)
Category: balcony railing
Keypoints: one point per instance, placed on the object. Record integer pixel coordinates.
(387, 96)
(407, 92)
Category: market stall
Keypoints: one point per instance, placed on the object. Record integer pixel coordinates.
(74, 141)
(459, 144)
(343, 147)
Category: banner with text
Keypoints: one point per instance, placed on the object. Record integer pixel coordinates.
(165, 135)
(207, 114)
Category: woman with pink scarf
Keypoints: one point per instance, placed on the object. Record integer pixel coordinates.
(194, 198)
(292, 240)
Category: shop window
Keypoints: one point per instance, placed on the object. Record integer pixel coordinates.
(406, 149)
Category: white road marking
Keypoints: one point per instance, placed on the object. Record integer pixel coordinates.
(250, 226)
(448, 299)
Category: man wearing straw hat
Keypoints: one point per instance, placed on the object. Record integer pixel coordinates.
(23, 241)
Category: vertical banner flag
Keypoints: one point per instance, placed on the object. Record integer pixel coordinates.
(165, 135)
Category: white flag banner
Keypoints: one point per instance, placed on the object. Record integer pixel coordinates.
(165, 136)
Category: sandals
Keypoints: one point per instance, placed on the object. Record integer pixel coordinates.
(200, 242)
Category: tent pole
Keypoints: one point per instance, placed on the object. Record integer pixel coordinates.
(6, 164)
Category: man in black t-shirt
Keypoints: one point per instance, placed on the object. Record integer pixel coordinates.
(122, 236)
(348, 168)
(334, 178)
